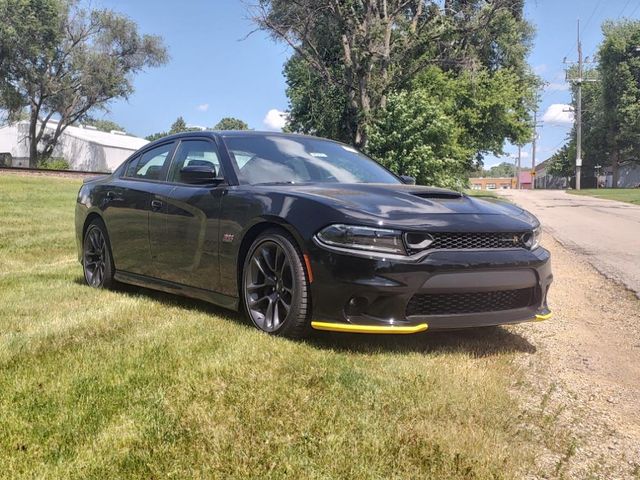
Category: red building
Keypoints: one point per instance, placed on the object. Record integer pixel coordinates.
(525, 180)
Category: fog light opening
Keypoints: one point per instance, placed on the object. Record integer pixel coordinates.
(356, 306)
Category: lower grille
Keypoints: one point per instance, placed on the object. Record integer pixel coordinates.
(472, 302)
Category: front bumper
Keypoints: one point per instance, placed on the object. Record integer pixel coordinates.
(372, 295)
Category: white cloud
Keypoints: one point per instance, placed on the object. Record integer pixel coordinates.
(203, 107)
(557, 86)
(523, 154)
(558, 114)
(275, 119)
(539, 69)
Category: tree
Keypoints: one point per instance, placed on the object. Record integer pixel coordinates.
(350, 55)
(561, 163)
(64, 62)
(231, 123)
(103, 125)
(418, 137)
(619, 70)
(476, 111)
(178, 126)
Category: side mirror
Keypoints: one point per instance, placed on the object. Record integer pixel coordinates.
(408, 180)
(199, 175)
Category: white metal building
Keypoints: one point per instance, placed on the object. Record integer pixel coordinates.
(84, 147)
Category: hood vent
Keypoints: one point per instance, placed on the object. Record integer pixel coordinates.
(432, 195)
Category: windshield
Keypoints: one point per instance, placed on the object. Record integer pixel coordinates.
(280, 159)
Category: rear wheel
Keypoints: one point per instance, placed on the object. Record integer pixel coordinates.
(96, 256)
(275, 288)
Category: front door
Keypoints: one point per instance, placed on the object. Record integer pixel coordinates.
(188, 252)
(129, 207)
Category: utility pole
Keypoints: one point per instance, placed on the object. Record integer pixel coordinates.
(578, 111)
(533, 148)
(518, 167)
(579, 114)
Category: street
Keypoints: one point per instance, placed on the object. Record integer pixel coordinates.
(606, 232)
(588, 355)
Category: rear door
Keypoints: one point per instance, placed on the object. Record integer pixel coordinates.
(130, 204)
(187, 251)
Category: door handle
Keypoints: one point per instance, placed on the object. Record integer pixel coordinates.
(111, 195)
(156, 205)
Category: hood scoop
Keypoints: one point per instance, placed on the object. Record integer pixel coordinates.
(443, 195)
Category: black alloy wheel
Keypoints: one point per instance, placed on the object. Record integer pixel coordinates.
(96, 258)
(275, 286)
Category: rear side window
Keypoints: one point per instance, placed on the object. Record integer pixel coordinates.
(151, 164)
(199, 153)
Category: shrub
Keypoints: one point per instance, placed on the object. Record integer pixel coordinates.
(57, 163)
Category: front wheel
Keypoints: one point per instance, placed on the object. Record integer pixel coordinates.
(96, 256)
(275, 288)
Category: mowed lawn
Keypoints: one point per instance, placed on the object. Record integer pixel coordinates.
(628, 195)
(136, 384)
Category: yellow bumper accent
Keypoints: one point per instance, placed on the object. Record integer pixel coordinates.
(347, 327)
(546, 316)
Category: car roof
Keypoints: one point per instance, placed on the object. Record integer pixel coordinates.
(234, 133)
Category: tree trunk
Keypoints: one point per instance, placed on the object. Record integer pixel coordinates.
(33, 141)
(614, 167)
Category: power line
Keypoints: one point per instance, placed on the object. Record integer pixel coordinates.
(586, 25)
(624, 8)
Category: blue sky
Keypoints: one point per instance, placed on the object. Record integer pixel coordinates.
(213, 73)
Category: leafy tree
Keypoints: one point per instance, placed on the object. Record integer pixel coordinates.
(562, 163)
(418, 137)
(502, 170)
(360, 51)
(231, 123)
(178, 126)
(619, 70)
(103, 125)
(479, 111)
(365, 49)
(63, 61)
(156, 136)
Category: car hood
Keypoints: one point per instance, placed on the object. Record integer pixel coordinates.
(413, 205)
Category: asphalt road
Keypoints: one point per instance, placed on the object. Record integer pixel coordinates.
(606, 232)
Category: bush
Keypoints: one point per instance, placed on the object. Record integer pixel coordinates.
(58, 163)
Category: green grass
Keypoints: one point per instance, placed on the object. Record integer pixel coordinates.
(138, 384)
(481, 193)
(628, 195)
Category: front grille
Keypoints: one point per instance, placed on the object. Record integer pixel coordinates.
(472, 302)
(467, 241)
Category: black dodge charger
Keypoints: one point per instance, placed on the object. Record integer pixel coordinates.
(303, 233)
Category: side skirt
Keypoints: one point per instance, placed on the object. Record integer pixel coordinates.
(219, 299)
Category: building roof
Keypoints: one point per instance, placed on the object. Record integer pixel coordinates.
(107, 139)
(542, 165)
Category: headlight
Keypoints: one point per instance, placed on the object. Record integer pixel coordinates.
(363, 238)
(532, 240)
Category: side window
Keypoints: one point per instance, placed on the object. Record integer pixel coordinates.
(150, 164)
(131, 167)
(194, 153)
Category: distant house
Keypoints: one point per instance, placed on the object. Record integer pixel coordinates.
(84, 147)
(525, 180)
(488, 183)
(544, 179)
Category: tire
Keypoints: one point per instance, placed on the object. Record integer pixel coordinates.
(274, 288)
(97, 261)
